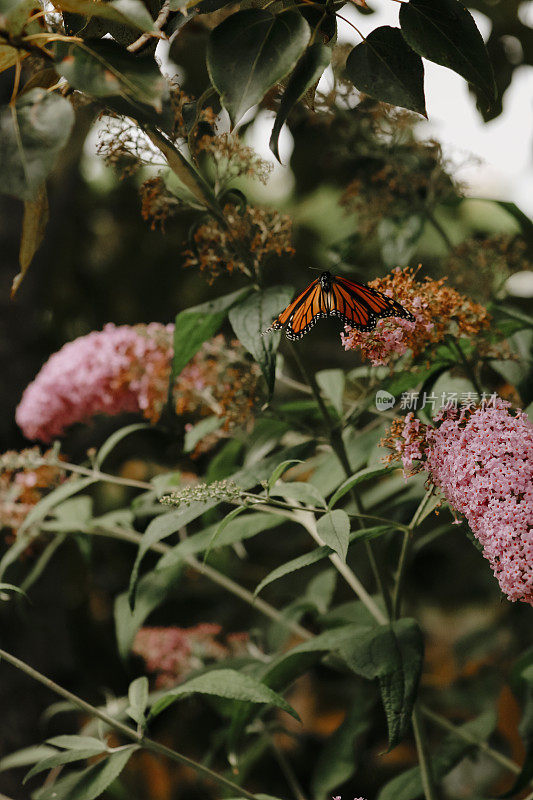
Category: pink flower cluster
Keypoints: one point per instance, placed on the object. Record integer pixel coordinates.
(381, 344)
(174, 652)
(111, 371)
(482, 460)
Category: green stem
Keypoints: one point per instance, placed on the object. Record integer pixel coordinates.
(125, 730)
(455, 345)
(424, 761)
(404, 552)
(337, 444)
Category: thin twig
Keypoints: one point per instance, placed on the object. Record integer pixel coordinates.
(424, 761)
(161, 20)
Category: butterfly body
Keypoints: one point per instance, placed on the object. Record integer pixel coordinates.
(357, 305)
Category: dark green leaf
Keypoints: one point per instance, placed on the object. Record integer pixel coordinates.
(226, 683)
(445, 32)
(105, 69)
(91, 782)
(194, 325)
(393, 654)
(33, 131)
(250, 52)
(252, 317)
(334, 530)
(306, 73)
(384, 67)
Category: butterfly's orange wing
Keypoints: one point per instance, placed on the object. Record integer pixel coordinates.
(298, 309)
(360, 307)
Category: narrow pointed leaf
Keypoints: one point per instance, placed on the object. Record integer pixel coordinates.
(306, 73)
(334, 530)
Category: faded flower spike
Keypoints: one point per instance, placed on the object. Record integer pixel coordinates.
(202, 493)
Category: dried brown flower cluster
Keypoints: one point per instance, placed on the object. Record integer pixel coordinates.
(157, 202)
(234, 159)
(250, 236)
(219, 381)
(24, 480)
(399, 185)
(482, 265)
(125, 147)
(438, 310)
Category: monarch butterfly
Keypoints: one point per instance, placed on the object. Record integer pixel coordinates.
(356, 305)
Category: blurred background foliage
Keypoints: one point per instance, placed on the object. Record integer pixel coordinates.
(100, 262)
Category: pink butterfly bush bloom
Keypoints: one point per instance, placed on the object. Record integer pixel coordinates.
(127, 369)
(482, 461)
(172, 653)
(111, 371)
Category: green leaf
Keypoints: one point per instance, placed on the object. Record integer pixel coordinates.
(105, 69)
(280, 469)
(197, 324)
(227, 683)
(251, 51)
(306, 73)
(26, 756)
(252, 317)
(355, 480)
(408, 785)
(385, 67)
(197, 432)
(131, 13)
(319, 553)
(138, 698)
(65, 757)
(332, 382)
(33, 132)
(229, 531)
(18, 17)
(295, 564)
(444, 31)
(334, 530)
(91, 782)
(337, 762)
(33, 227)
(152, 590)
(76, 742)
(393, 654)
(299, 491)
(115, 438)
